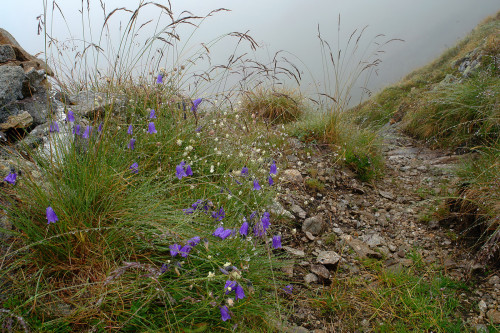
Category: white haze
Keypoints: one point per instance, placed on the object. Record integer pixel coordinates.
(427, 27)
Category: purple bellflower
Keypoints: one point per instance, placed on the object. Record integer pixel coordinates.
(196, 102)
(218, 231)
(244, 229)
(273, 170)
(288, 289)
(240, 293)
(270, 180)
(159, 78)
(51, 215)
(54, 127)
(152, 114)
(184, 251)
(277, 242)
(174, 249)
(224, 313)
(256, 185)
(76, 130)
(266, 218)
(11, 178)
(131, 144)
(179, 171)
(225, 234)
(99, 129)
(219, 215)
(244, 171)
(70, 117)
(189, 172)
(134, 167)
(151, 128)
(130, 130)
(194, 241)
(86, 134)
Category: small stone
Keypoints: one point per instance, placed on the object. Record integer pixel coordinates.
(494, 316)
(292, 176)
(338, 231)
(288, 270)
(361, 249)
(386, 195)
(482, 306)
(310, 278)
(480, 328)
(310, 236)
(296, 209)
(328, 257)
(295, 252)
(392, 248)
(494, 280)
(321, 271)
(373, 240)
(313, 224)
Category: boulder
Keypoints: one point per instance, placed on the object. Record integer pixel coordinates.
(22, 58)
(7, 53)
(22, 120)
(328, 257)
(11, 84)
(92, 105)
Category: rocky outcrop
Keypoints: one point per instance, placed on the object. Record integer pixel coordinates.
(23, 86)
(9, 45)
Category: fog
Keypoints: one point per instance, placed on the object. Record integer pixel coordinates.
(427, 27)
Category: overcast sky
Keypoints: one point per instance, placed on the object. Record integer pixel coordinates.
(427, 26)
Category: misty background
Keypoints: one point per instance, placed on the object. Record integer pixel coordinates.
(427, 27)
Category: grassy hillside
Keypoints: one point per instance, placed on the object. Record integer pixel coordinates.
(453, 103)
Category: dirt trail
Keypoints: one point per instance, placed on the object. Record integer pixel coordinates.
(387, 221)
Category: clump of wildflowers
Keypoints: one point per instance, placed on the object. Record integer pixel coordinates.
(219, 215)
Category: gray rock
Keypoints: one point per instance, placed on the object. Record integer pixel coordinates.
(361, 249)
(295, 252)
(93, 105)
(11, 84)
(387, 195)
(22, 120)
(494, 316)
(480, 328)
(314, 225)
(328, 257)
(482, 306)
(310, 236)
(292, 176)
(7, 53)
(494, 280)
(277, 209)
(373, 240)
(310, 278)
(35, 82)
(321, 271)
(299, 211)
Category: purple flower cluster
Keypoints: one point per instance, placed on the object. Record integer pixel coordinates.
(236, 287)
(222, 233)
(183, 170)
(219, 215)
(183, 251)
(200, 204)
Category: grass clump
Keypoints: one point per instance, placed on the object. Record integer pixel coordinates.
(356, 147)
(274, 105)
(417, 298)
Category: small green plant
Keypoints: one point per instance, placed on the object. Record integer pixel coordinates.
(315, 185)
